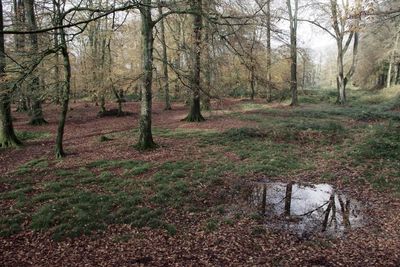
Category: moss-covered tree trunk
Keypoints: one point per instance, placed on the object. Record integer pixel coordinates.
(37, 112)
(195, 108)
(7, 134)
(66, 89)
(145, 134)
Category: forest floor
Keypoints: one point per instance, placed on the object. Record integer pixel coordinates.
(186, 203)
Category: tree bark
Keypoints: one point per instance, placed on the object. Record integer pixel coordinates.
(397, 80)
(165, 78)
(178, 57)
(145, 133)
(66, 90)
(19, 39)
(252, 81)
(7, 134)
(293, 50)
(37, 112)
(58, 88)
(391, 62)
(303, 80)
(195, 108)
(208, 72)
(269, 51)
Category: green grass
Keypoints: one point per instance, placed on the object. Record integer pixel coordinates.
(130, 167)
(261, 155)
(36, 164)
(104, 138)
(383, 142)
(212, 225)
(364, 136)
(82, 202)
(379, 151)
(26, 135)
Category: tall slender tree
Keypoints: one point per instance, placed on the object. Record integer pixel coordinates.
(66, 88)
(7, 134)
(165, 78)
(208, 8)
(293, 11)
(391, 62)
(269, 50)
(37, 112)
(195, 107)
(145, 133)
(19, 40)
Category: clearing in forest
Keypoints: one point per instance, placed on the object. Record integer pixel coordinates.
(220, 192)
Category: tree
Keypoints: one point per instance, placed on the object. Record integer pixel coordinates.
(266, 9)
(344, 21)
(391, 62)
(165, 78)
(20, 47)
(7, 134)
(67, 81)
(145, 134)
(269, 51)
(36, 113)
(339, 26)
(293, 11)
(195, 107)
(208, 9)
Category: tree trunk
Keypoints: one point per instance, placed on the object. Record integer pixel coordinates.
(37, 113)
(165, 79)
(19, 39)
(195, 108)
(293, 50)
(208, 72)
(303, 80)
(391, 62)
(178, 57)
(119, 96)
(269, 51)
(341, 82)
(7, 134)
(397, 80)
(339, 26)
(145, 134)
(252, 82)
(58, 88)
(65, 92)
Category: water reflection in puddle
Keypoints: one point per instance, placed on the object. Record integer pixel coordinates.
(306, 209)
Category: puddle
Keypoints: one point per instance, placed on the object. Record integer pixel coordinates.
(306, 209)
